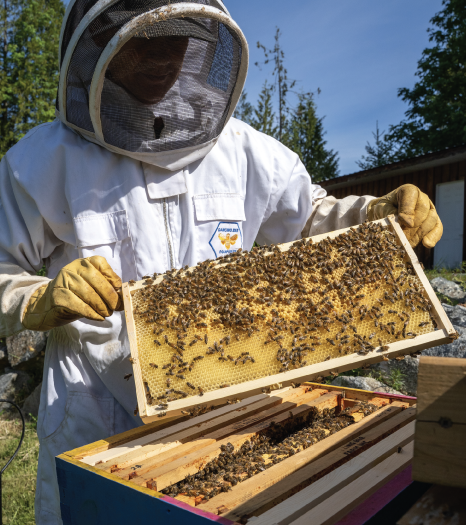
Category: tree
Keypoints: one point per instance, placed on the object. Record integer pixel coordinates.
(306, 138)
(436, 118)
(30, 31)
(263, 118)
(244, 109)
(381, 154)
(282, 83)
(297, 127)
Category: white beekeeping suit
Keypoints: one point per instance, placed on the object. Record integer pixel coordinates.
(145, 167)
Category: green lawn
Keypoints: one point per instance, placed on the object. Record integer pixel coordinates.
(19, 479)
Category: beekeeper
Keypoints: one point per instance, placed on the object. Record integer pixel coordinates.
(144, 170)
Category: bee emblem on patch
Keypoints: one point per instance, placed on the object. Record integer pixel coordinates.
(227, 238)
(228, 241)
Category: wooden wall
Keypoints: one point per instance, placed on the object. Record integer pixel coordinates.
(425, 179)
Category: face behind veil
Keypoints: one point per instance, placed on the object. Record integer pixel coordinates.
(163, 84)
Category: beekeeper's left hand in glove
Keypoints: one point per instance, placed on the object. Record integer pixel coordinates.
(415, 211)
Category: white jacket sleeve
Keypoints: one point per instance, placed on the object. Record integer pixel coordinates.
(25, 242)
(330, 214)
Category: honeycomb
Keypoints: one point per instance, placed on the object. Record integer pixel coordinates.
(256, 314)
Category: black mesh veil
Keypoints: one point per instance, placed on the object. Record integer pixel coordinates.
(170, 85)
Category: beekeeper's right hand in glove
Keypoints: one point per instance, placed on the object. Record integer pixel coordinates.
(84, 288)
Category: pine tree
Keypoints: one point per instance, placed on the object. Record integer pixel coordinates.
(381, 154)
(436, 118)
(244, 109)
(306, 138)
(30, 31)
(263, 118)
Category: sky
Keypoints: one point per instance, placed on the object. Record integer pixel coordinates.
(358, 52)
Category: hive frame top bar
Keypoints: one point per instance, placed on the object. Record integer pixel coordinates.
(444, 334)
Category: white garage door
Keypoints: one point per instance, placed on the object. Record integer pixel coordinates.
(450, 207)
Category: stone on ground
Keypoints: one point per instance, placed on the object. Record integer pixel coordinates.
(448, 288)
(363, 383)
(25, 346)
(11, 385)
(408, 367)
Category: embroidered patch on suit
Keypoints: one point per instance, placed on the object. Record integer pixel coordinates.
(227, 238)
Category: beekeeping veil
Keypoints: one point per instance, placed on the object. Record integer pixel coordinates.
(156, 80)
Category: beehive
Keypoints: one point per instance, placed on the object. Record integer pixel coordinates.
(272, 458)
(277, 314)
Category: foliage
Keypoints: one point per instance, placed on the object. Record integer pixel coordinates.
(263, 116)
(30, 31)
(296, 127)
(380, 154)
(282, 83)
(19, 479)
(244, 109)
(306, 138)
(436, 118)
(396, 380)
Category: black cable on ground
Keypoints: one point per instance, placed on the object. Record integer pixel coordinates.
(15, 453)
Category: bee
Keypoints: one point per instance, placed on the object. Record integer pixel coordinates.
(180, 376)
(423, 324)
(168, 382)
(128, 377)
(191, 386)
(206, 339)
(162, 414)
(157, 342)
(201, 391)
(153, 365)
(132, 282)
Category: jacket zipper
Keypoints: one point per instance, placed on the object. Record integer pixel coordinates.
(167, 232)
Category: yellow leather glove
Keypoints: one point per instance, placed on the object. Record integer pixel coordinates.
(416, 213)
(84, 288)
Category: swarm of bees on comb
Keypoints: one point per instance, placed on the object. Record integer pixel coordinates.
(254, 314)
(263, 451)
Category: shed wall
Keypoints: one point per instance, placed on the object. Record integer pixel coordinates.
(425, 179)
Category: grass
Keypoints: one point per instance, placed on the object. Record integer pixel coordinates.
(19, 479)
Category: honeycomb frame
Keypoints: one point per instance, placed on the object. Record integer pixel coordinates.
(225, 384)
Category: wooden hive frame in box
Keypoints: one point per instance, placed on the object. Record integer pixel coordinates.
(121, 478)
(438, 331)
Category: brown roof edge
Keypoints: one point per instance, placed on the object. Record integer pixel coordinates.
(430, 160)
